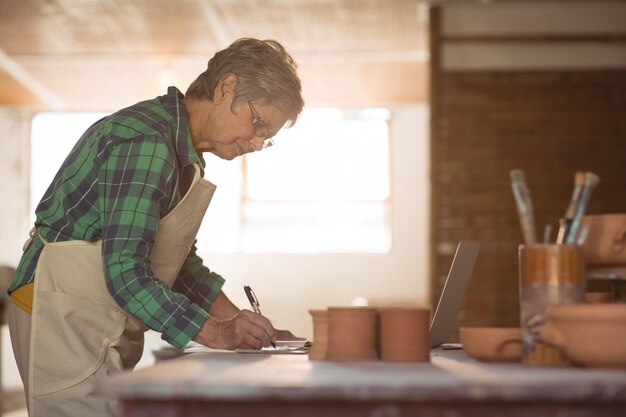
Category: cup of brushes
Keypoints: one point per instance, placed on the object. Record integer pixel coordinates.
(552, 274)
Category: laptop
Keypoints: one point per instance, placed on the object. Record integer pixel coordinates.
(453, 291)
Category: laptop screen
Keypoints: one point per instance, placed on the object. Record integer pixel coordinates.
(453, 292)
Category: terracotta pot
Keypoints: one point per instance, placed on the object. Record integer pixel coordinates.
(404, 334)
(592, 335)
(320, 334)
(492, 344)
(352, 334)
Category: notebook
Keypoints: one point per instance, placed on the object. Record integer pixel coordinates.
(453, 291)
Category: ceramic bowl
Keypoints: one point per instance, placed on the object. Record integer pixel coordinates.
(492, 344)
(592, 335)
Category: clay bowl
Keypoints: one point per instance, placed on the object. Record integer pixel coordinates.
(592, 335)
(492, 344)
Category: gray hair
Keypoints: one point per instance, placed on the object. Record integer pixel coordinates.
(265, 73)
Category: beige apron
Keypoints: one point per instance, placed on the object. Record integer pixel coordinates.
(79, 335)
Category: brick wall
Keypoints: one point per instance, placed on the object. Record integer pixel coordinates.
(484, 124)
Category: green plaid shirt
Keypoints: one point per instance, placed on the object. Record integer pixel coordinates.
(126, 172)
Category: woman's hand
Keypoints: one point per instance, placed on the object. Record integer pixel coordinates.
(246, 330)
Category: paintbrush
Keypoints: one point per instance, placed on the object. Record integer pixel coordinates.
(524, 206)
(566, 222)
(591, 180)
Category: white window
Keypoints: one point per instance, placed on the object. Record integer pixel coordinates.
(323, 188)
(53, 136)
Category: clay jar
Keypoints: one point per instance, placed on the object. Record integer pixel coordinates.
(320, 334)
(352, 334)
(404, 334)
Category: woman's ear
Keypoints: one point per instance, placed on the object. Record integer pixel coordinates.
(225, 88)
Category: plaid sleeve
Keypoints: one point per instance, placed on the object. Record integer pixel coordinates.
(199, 284)
(136, 183)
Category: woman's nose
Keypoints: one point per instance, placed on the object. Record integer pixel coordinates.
(257, 143)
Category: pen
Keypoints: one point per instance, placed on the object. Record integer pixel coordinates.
(254, 302)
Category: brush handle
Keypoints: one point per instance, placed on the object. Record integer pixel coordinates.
(564, 225)
(525, 211)
(581, 207)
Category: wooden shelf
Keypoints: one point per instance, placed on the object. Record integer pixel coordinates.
(607, 273)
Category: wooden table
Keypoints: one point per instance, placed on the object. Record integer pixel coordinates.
(229, 384)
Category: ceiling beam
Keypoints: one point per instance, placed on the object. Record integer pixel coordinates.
(222, 33)
(330, 57)
(39, 90)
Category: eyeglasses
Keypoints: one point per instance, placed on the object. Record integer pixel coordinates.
(260, 128)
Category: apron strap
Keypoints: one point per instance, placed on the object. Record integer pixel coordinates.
(31, 235)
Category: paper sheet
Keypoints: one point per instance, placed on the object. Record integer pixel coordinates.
(289, 347)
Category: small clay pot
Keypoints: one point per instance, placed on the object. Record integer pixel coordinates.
(404, 334)
(320, 334)
(352, 334)
(492, 344)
